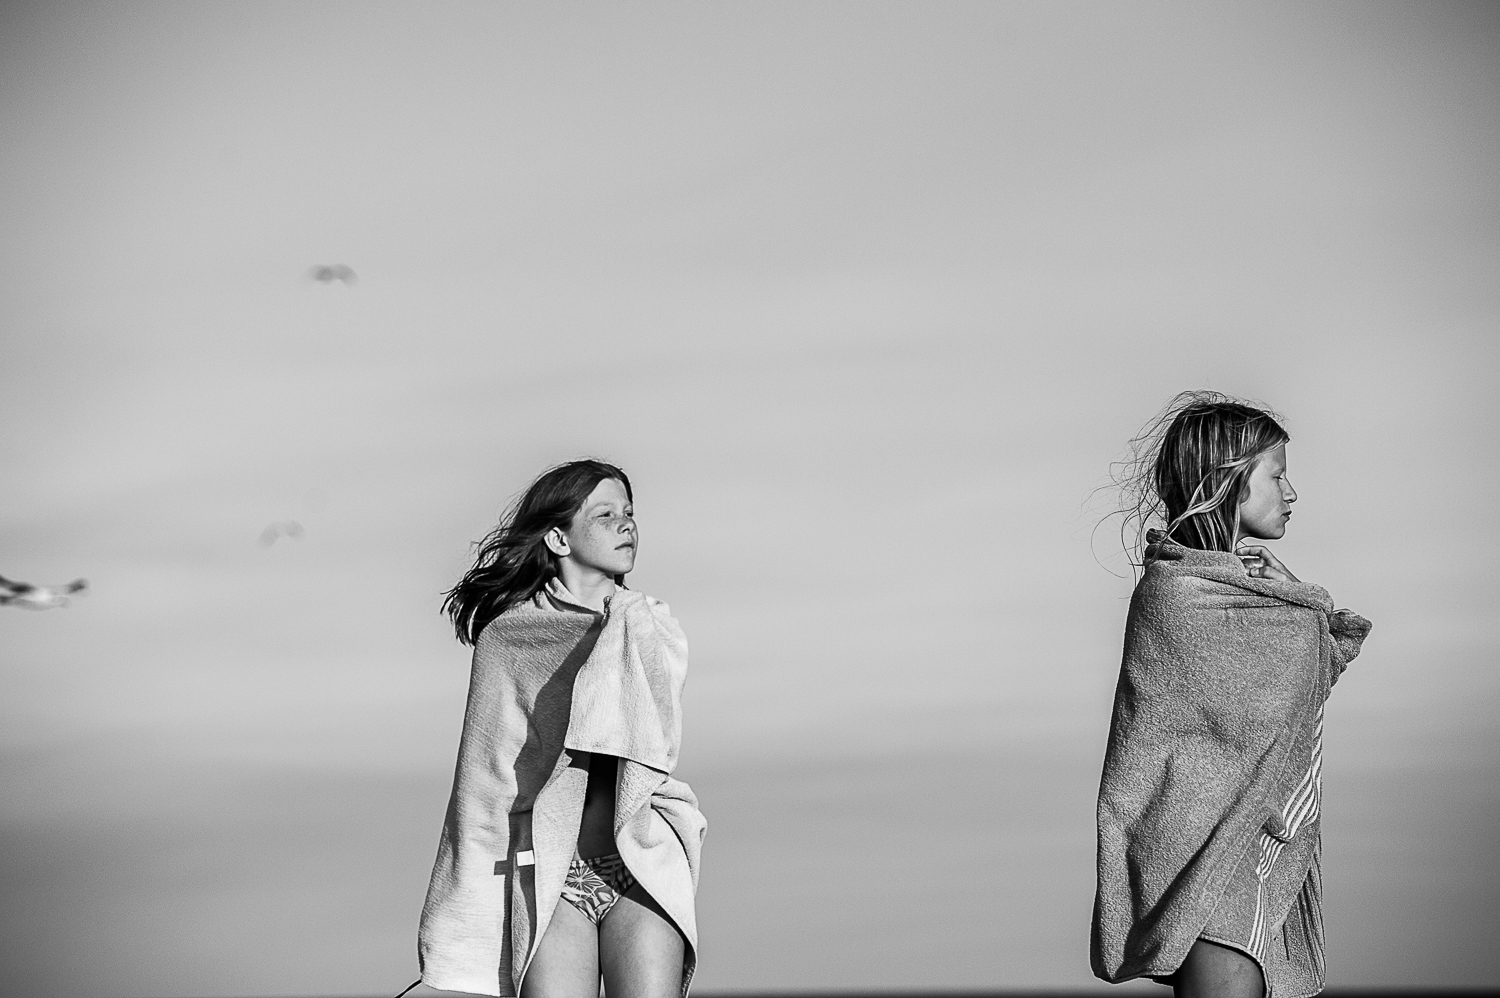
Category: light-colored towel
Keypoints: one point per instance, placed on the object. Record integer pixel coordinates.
(1216, 717)
(551, 678)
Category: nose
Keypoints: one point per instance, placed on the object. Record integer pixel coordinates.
(1287, 492)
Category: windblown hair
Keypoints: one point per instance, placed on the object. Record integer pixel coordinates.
(513, 563)
(1189, 468)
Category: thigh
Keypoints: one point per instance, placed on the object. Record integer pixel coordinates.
(1214, 971)
(567, 962)
(640, 949)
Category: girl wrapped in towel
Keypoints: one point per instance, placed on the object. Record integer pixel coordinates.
(1208, 862)
(569, 854)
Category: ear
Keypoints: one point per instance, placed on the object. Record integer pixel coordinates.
(557, 542)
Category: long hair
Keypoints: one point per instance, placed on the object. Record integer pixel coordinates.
(513, 563)
(1189, 468)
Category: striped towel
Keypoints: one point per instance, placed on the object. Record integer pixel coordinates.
(1212, 782)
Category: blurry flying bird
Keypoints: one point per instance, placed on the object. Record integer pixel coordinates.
(278, 530)
(327, 273)
(30, 597)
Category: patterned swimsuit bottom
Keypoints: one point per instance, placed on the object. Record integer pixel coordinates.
(595, 885)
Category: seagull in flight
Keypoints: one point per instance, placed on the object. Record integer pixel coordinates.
(30, 597)
(281, 528)
(327, 273)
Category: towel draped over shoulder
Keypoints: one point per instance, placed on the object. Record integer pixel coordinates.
(550, 678)
(1216, 732)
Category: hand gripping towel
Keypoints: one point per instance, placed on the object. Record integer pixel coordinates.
(1208, 799)
(551, 678)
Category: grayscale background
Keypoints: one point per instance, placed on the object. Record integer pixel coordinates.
(866, 297)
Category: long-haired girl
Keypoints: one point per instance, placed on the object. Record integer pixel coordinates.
(569, 853)
(1208, 862)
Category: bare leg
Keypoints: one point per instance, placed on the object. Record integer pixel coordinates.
(640, 949)
(1214, 971)
(567, 962)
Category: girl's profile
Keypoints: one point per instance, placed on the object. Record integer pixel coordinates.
(569, 855)
(1209, 803)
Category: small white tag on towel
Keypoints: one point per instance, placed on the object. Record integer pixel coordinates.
(526, 858)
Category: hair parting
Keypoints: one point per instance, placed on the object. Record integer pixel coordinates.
(512, 563)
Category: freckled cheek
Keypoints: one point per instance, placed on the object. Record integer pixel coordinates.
(606, 536)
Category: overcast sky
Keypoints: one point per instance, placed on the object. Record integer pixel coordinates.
(865, 298)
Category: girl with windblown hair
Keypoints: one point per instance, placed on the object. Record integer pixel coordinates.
(1209, 844)
(569, 853)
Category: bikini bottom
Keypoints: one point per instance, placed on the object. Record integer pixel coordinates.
(595, 885)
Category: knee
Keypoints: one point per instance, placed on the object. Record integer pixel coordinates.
(1214, 970)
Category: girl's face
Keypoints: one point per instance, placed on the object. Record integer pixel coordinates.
(1267, 504)
(602, 536)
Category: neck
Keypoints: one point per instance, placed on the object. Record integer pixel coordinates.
(590, 587)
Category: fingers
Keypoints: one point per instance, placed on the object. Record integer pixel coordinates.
(1272, 573)
(1260, 563)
